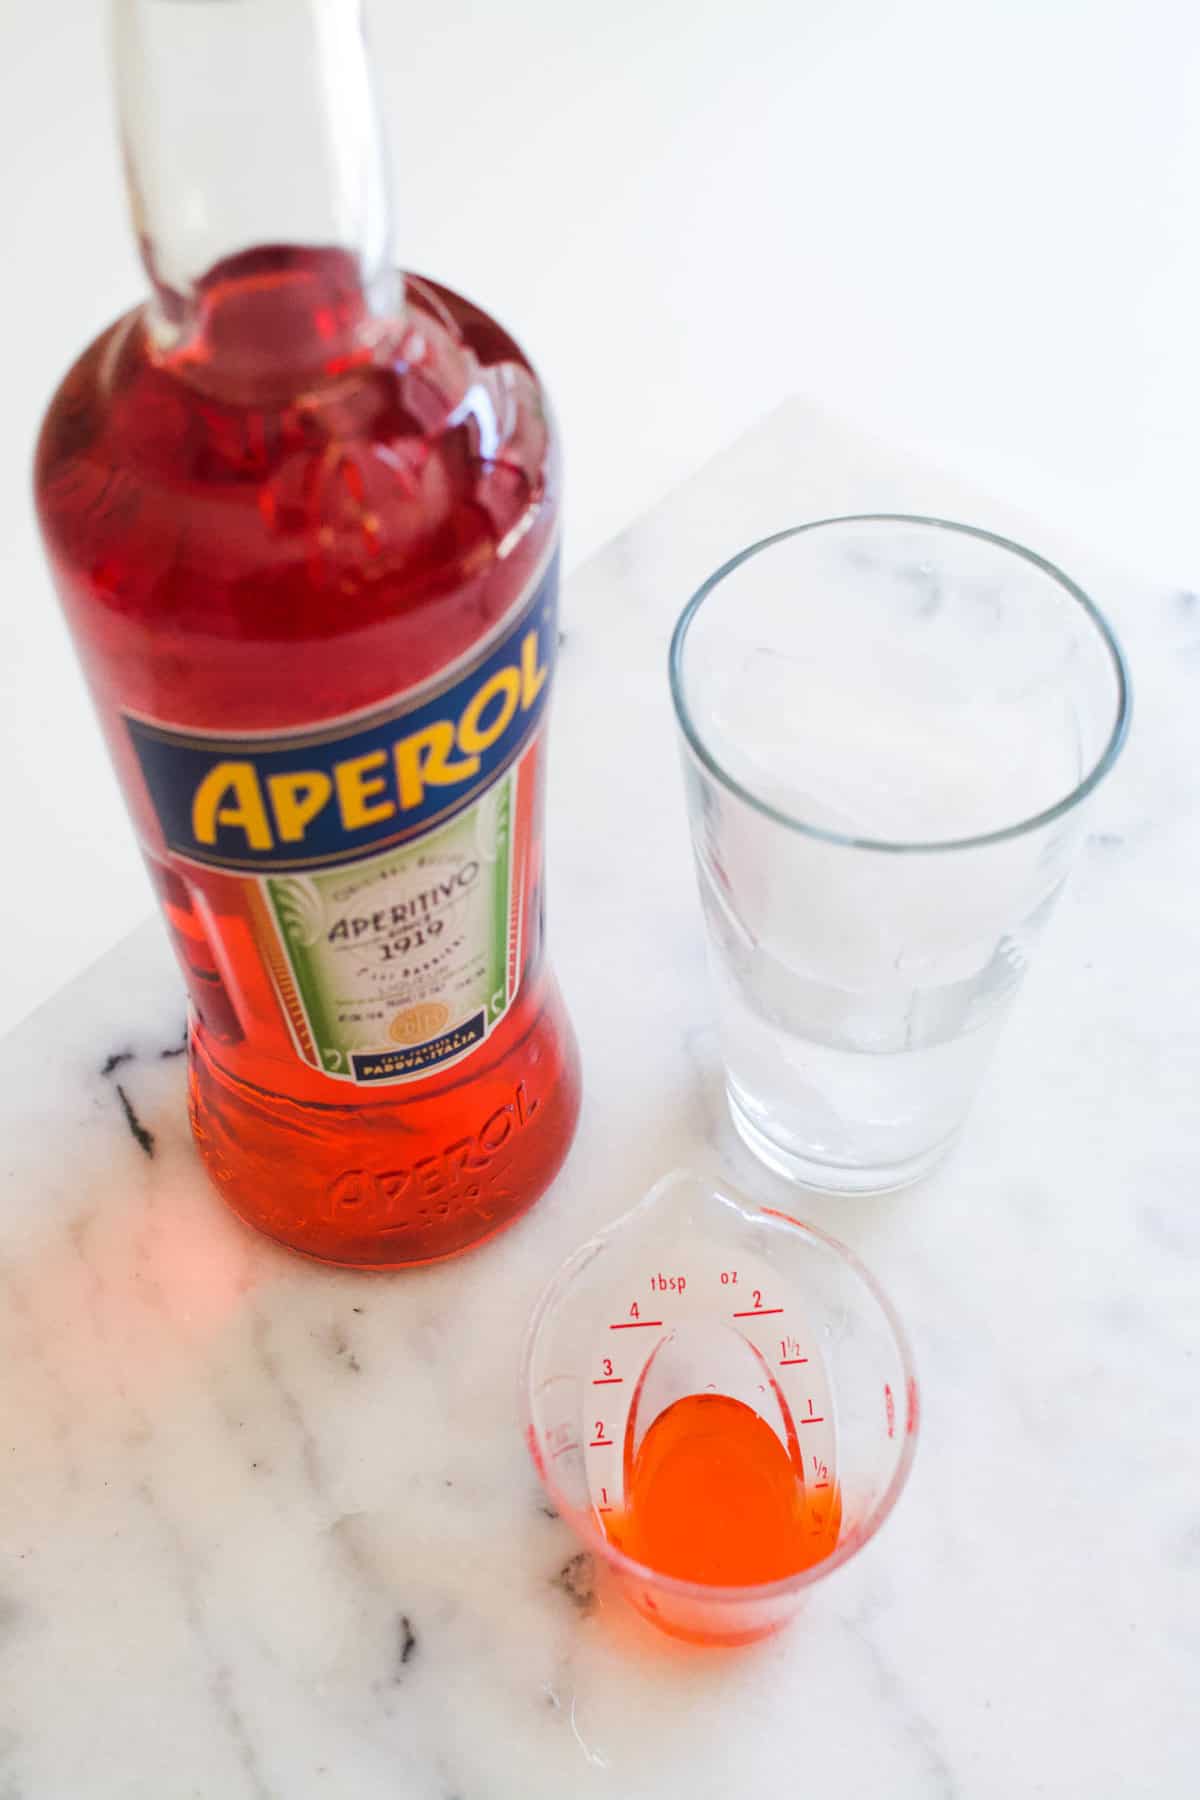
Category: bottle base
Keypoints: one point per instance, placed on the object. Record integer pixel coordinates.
(827, 1177)
(362, 1267)
(394, 1184)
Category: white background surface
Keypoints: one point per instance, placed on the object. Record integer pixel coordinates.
(968, 229)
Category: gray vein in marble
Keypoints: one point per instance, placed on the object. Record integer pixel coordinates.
(351, 1537)
(187, 1570)
(140, 1427)
(406, 1644)
(10, 1744)
(143, 1138)
(37, 1346)
(1170, 1228)
(341, 1347)
(239, 1732)
(310, 1459)
(918, 1727)
(117, 1059)
(577, 1580)
(78, 1231)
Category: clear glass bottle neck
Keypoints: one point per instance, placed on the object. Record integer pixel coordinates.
(250, 132)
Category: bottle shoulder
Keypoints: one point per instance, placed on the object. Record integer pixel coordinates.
(381, 489)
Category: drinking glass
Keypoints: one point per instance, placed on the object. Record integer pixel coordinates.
(890, 726)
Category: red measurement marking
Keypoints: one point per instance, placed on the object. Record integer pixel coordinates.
(604, 1509)
(634, 1324)
(759, 1312)
(600, 1444)
(817, 1419)
(565, 1448)
(789, 1362)
(606, 1380)
(820, 1484)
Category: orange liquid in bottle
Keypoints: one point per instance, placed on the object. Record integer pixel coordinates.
(713, 1496)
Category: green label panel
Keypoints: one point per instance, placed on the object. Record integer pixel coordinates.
(400, 964)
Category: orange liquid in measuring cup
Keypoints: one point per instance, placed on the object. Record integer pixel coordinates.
(713, 1496)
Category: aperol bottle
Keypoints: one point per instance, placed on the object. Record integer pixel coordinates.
(302, 514)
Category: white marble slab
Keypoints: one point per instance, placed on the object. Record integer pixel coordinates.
(267, 1530)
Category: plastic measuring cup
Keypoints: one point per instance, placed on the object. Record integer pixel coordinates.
(698, 1296)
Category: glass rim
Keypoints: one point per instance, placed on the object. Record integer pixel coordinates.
(583, 1521)
(900, 846)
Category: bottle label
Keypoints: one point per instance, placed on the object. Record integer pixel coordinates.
(385, 855)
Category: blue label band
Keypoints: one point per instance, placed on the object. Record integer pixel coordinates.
(314, 799)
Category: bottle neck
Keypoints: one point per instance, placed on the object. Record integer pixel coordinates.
(257, 180)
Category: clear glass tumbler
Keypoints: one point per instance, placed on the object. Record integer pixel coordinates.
(889, 725)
